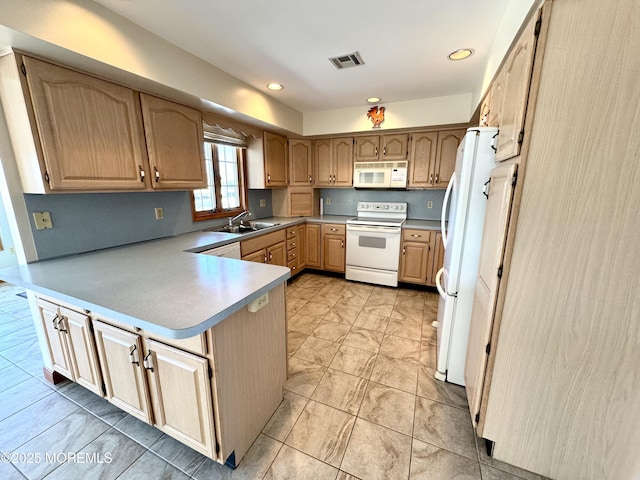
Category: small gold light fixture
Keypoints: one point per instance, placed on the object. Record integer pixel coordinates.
(276, 87)
(373, 99)
(461, 54)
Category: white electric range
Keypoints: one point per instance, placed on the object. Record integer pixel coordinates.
(373, 242)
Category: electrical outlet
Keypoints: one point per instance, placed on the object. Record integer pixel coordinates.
(159, 213)
(12, 250)
(263, 202)
(430, 204)
(258, 303)
(328, 201)
(42, 220)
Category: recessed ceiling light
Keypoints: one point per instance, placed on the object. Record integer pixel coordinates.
(373, 99)
(275, 86)
(461, 54)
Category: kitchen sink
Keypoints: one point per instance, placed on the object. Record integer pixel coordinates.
(252, 227)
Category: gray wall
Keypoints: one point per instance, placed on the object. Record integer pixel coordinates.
(92, 221)
(344, 201)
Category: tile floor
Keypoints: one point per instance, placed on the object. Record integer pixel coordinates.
(360, 403)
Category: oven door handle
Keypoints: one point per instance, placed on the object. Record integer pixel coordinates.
(373, 229)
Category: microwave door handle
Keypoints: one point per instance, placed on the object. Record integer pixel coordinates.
(445, 204)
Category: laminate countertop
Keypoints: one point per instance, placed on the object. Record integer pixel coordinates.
(160, 286)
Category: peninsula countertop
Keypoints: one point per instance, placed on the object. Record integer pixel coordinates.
(159, 285)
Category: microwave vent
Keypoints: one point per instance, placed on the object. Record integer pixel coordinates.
(346, 61)
(401, 164)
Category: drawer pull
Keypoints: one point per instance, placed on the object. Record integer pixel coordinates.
(431, 178)
(416, 235)
(133, 357)
(309, 178)
(61, 324)
(334, 229)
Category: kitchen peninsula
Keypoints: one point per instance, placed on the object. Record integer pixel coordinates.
(192, 344)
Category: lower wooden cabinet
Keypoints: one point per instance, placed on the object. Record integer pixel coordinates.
(268, 248)
(70, 344)
(416, 259)
(333, 247)
(295, 248)
(313, 241)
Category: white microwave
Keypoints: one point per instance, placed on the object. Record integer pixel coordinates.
(380, 174)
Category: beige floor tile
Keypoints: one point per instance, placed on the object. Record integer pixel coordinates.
(395, 373)
(389, 407)
(300, 323)
(303, 376)
(376, 452)
(303, 293)
(444, 392)
(412, 292)
(428, 354)
(405, 327)
(334, 332)
(294, 340)
(380, 310)
(342, 315)
(354, 361)
(314, 309)
(411, 313)
(429, 461)
(364, 339)
(445, 426)
(314, 281)
(329, 299)
(401, 348)
(370, 321)
(342, 475)
(341, 390)
(317, 350)
(322, 432)
(429, 332)
(381, 299)
(290, 464)
(350, 302)
(361, 290)
(294, 304)
(285, 417)
(336, 287)
(416, 303)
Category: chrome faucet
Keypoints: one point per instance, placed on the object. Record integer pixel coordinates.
(241, 216)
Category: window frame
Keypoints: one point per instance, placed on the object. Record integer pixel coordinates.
(242, 186)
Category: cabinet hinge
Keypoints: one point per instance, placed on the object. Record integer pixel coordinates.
(520, 137)
(477, 417)
(23, 69)
(500, 271)
(488, 348)
(210, 372)
(538, 27)
(514, 179)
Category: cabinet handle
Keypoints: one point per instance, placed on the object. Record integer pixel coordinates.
(376, 152)
(309, 178)
(334, 229)
(329, 178)
(384, 151)
(55, 322)
(268, 178)
(61, 325)
(293, 244)
(148, 361)
(270, 256)
(342, 244)
(294, 255)
(133, 357)
(416, 235)
(437, 177)
(157, 174)
(265, 258)
(404, 251)
(293, 267)
(141, 173)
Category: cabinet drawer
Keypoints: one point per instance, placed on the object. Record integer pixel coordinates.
(291, 244)
(293, 266)
(416, 235)
(333, 229)
(292, 255)
(263, 241)
(292, 232)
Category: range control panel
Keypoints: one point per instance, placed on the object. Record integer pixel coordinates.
(395, 207)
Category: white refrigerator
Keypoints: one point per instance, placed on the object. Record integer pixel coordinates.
(465, 203)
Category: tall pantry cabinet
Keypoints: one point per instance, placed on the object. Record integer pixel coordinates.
(560, 396)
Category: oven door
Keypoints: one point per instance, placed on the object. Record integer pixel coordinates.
(373, 246)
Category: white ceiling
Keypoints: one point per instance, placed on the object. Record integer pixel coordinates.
(404, 44)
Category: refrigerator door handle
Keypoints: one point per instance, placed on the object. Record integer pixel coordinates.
(441, 291)
(445, 204)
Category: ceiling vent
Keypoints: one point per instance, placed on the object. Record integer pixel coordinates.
(346, 61)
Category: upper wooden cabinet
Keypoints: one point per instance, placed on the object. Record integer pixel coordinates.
(175, 144)
(432, 159)
(300, 162)
(267, 162)
(382, 147)
(511, 99)
(74, 132)
(333, 158)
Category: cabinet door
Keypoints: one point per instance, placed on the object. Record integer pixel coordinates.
(367, 148)
(90, 129)
(51, 321)
(323, 162)
(487, 282)
(121, 357)
(422, 159)
(394, 147)
(445, 165)
(302, 247)
(333, 253)
(275, 160)
(438, 257)
(258, 257)
(82, 350)
(517, 78)
(414, 262)
(277, 254)
(181, 392)
(343, 162)
(313, 258)
(175, 143)
(300, 154)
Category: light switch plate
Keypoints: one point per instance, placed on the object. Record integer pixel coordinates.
(42, 220)
(159, 214)
(263, 202)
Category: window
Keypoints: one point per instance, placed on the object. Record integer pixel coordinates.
(224, 195)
